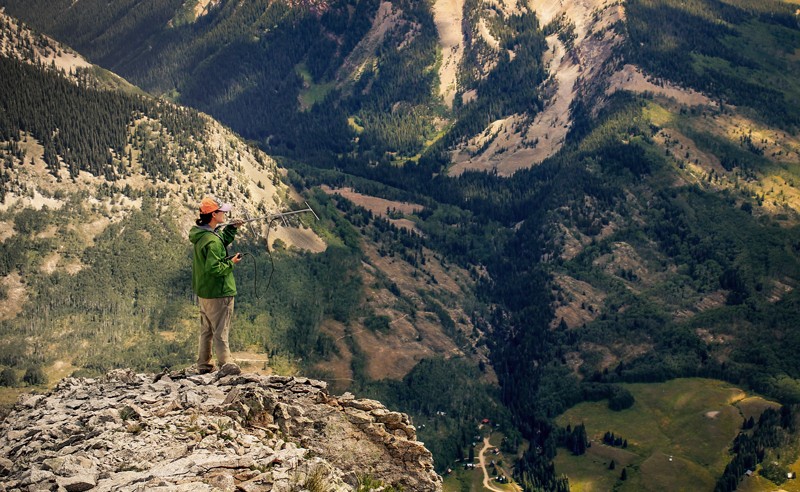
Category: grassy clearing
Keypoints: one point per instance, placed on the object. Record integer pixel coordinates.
(464, 481)
(590, 472)
(678, 436)
(312, 93)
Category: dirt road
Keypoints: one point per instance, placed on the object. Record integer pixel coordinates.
(487, 482)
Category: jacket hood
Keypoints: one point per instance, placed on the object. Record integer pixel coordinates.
(196, 232)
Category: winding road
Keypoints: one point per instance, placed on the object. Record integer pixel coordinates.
(487, 482)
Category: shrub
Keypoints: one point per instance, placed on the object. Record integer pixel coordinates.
(34, 376)
(8, 378)
(620, 399)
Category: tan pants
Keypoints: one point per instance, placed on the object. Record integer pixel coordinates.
(215, 324)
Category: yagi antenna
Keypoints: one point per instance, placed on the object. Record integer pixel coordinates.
(271, 217)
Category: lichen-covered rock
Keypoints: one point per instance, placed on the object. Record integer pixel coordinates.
(237, 432)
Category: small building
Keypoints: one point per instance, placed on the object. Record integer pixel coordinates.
(791, 475)
(749, 473)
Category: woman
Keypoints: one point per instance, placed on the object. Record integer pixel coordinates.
(213, 282)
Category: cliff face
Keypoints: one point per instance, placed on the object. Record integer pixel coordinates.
(209, 432)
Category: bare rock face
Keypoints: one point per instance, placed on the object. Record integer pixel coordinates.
(137, 432)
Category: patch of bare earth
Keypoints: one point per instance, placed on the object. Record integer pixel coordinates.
(202, 7)
(780, 290)
(519, 142)
(712, 338)
(448, 15)
(379, 206)
(410, 338)
(300, 238)
(712, 300)
(631, 78)
(625, 263)
(50, 263)
(578, 302)
(16, 296)
(6, 230)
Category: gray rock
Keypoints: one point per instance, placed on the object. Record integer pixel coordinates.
(35, 476)
(78, 483)
(6, 466)
(366, 405)
(229, 369)
(222, 481)
(125, 432)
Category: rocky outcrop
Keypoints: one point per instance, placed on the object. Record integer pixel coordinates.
(136, 432)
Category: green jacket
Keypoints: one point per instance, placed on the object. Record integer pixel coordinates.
(212, 274)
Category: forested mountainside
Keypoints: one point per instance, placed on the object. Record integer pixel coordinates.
(306, 79)
(658, 240)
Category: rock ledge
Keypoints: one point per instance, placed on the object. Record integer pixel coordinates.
(176, 432)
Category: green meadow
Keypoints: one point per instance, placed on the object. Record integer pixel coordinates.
(678, 435)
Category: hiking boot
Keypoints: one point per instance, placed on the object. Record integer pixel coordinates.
(205, 369)
(230, 369)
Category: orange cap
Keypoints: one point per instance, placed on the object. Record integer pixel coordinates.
(209, 205)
